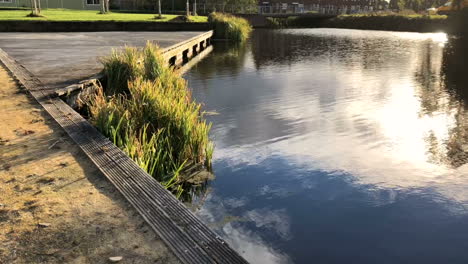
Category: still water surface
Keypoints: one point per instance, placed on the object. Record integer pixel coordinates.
(338, 146)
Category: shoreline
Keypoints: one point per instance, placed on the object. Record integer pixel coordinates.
(388, 23)
(455, 25)
(99, 26)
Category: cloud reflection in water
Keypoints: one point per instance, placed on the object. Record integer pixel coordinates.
(339, 145)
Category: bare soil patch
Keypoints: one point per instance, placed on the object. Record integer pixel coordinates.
(55, 206)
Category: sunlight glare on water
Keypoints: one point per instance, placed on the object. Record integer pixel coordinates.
(339, 146)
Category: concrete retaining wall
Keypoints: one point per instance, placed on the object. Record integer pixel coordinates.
(96, 26)
(184, 51)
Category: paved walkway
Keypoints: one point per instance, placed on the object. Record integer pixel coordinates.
(61, 59)
(55, 205)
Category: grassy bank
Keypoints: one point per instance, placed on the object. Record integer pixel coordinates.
(229, 27)
(146, 110)
(414, 23)
(88, 15)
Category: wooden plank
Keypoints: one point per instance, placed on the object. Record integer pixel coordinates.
(189, 239)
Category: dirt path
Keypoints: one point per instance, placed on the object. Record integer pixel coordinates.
(55, 206)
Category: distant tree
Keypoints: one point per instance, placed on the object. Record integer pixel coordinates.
(194, 7)
(457, 4)
(104, 6)
(393, 4)
(401, 4)
(159, 9)
(235, 6)
(35, 8)
(416, 5)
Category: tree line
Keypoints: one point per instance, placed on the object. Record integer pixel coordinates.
(421, 5)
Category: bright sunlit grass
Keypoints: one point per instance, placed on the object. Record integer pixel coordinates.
(88, 15)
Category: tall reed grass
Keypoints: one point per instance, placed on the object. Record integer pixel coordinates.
(147, 111)
(229, 27)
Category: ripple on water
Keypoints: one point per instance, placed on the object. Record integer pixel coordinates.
(343, 146)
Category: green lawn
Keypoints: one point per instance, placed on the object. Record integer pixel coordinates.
(87, 15)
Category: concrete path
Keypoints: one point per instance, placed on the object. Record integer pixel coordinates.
(55, 205)
(61, 59)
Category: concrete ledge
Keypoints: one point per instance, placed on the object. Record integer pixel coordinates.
(97, 26)
(185, 50)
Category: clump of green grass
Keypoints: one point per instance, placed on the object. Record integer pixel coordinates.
(151, 116)
(120, 68)
(230, 27)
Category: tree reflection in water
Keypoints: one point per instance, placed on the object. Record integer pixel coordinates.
(443, 89)
(326, 137)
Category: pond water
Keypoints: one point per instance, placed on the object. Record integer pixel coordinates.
(338, 146)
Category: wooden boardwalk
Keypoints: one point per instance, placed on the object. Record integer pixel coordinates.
(189, 239)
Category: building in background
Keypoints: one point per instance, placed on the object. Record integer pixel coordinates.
(207, 6)
(322, 6)
(68, 4)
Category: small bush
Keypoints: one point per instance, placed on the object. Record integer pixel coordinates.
(151, 116)
(230, 27)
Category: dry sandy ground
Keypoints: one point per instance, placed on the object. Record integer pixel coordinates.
(55, 206)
